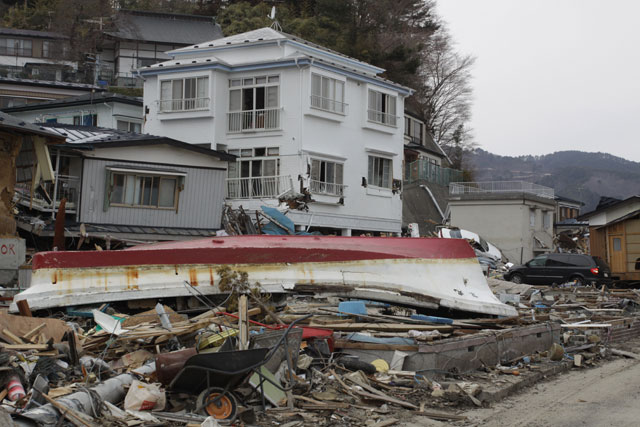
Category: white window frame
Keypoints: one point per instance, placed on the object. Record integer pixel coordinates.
(327, 94)
(130, 126)
(254, 119)
(376, 175)
(175, 100)
(326, 177)
(382, 108)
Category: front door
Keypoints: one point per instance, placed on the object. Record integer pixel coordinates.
(616, 253)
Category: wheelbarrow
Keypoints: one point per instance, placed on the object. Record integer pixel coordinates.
(213, 375)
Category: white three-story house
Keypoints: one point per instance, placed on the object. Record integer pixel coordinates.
(299, 117)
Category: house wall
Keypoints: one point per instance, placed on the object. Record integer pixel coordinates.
(506, 223)
(108, 114)
(200, 203)
(304, 133)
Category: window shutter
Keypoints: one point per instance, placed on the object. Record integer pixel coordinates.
(108, 185)
(386, 178)
(339, 173)
(272, 97)
(315, 170)
(315, 85)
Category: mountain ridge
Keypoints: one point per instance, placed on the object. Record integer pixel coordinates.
(578, 175)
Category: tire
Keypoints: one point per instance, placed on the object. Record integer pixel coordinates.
(516, 278)
(579, 280)
(216, 403)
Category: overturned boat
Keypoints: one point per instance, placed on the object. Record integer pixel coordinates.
(429, 273)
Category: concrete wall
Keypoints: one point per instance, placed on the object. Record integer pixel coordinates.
(506, 223)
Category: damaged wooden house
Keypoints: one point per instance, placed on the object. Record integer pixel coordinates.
(121, 186)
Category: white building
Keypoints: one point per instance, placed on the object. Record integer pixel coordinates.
(300, 118)
(102, 109)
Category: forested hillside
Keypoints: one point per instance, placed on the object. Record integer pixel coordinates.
(574, 174)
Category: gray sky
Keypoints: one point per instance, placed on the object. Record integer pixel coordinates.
(552, 75)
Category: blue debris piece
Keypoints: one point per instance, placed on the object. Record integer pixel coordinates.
(356, 308)
(432, 319)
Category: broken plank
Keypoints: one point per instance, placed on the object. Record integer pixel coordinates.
(14, 338)
(627, 354)
(385, 398)
(32, 333)
(25, 347)
(391, 327)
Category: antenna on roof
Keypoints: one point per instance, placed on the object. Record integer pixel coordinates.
(275, 25)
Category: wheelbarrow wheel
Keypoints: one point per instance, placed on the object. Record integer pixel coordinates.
(216, 403)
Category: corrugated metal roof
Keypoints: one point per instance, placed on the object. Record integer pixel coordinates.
(164, 27)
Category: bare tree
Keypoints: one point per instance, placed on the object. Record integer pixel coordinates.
(445, 98)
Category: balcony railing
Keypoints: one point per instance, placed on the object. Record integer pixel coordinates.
(382, 118)
(423, 170)
(494, 187)
(331, 189)
(258, 187)
(185, 104)
(67, 187)
(252, 120)
(328, 104)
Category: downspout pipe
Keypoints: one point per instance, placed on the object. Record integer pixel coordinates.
(435, 202)
(111, 390)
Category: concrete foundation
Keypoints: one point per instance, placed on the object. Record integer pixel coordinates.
(464, 354)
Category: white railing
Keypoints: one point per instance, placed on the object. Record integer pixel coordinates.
(245, 121)
(328, 104)
(319, 187)
(67, 187)
(185, 104)
(382, 118)
(458, 188)
(258, 187)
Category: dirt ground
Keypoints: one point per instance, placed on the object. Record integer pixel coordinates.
(603, 396)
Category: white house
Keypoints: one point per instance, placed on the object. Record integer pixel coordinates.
(300, 117)
(102, 109)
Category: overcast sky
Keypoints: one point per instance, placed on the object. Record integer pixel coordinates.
(552, 75)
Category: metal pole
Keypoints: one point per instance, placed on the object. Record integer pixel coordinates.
(55, 185)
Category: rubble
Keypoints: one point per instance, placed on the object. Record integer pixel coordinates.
(305, 359)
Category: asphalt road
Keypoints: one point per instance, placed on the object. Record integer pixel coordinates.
(608, 395)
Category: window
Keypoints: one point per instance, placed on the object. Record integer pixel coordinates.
(255, 173)
(382, 108)
(327, 94)
(326, 177)
(134, 190)
(129, 126)
(253, 103)
(546, 219)
(413, 129)
(86, 120)
(538, 261)
(379, 172)
(16, 47)
(617, 244)
(184, 94)
(532, 218)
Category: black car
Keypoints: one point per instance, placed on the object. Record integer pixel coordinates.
(548, 269)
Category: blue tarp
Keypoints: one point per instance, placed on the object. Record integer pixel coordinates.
(280, 225)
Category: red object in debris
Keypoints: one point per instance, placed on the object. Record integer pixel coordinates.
(309, 334)
(15, 389)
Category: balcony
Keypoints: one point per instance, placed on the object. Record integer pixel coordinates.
(423, 170)
(382, 118)
(500, 187)
(268, 187)
(253, 120)
(184, 104)
(326, 188)
(64, 187)
(327, 104)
